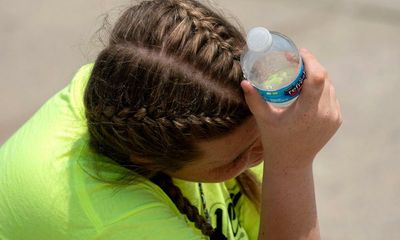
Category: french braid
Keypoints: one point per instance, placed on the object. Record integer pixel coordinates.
(210, 30)
(185, 207)
(168, 77)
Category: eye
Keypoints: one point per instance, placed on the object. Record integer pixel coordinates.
(237, 161)
(238, 158)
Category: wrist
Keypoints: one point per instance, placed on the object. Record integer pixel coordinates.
(288, 165)
(288, 203)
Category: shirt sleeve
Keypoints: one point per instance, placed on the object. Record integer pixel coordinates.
(154, 222)
(140, 210)
(46, 194)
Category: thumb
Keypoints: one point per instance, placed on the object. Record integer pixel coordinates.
(256, 103)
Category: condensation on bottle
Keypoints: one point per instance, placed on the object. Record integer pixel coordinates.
(272, 63)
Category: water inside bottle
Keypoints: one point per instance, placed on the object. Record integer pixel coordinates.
(275, 70)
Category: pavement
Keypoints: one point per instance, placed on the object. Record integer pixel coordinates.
(357, 174)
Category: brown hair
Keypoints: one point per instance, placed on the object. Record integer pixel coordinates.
(169, 76)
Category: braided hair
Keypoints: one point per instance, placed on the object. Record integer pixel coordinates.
(169, 76)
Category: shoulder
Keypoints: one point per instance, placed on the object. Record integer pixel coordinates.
(140, 209)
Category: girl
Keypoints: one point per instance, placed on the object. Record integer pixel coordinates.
(161, 138)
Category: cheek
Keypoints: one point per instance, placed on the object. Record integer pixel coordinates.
(230, 171)
(252, 158)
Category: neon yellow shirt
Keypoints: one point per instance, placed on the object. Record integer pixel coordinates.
(46, 194)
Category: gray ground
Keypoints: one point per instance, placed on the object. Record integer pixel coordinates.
(43, 43)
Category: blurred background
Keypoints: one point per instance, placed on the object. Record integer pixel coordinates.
(43, 43)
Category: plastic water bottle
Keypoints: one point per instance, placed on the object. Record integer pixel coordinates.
(273, 65)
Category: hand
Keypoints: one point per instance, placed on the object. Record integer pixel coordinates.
(292, 136)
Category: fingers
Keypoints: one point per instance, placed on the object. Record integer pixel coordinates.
(289, 56)
(256, 103)
(316, 78)
(317, 88)
(316, 74)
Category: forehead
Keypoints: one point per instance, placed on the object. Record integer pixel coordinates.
(226, 148)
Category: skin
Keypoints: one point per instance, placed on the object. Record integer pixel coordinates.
(226, 157)
(294, 136)
(288, 140)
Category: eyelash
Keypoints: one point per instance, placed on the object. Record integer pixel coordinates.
(237, 158)
(234, 163)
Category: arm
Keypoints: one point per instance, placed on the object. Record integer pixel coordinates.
(288, 205)
(291, 139)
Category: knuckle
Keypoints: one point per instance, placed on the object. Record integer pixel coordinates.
(319, 76)
(337, 119)
(334, 117)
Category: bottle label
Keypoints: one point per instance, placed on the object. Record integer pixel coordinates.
(287, 93)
